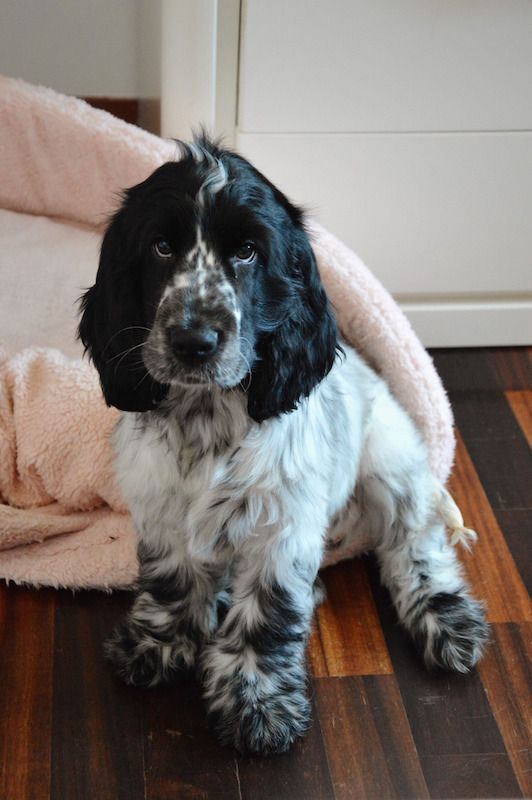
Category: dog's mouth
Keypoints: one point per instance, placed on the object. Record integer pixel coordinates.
(204, 375)
(227, 366)
(166, 367)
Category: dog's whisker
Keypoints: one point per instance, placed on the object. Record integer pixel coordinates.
(137, 385)
(124, 330)
(125, 354)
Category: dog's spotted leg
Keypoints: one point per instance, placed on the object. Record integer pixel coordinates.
(173, 613)
(408, 512)
(420, 568)
(254, 669)
(432, 598)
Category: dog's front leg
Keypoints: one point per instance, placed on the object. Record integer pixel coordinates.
(173, 613)
(254, 670)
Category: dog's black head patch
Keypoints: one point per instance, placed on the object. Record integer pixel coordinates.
(207, 276)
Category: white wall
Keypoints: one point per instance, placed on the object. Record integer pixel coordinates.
(80, 47)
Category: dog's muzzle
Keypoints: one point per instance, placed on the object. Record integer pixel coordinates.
(194, 346)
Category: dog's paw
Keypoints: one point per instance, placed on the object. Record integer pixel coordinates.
(140, 660)
(255, 725)
(255, 711)
(451, 632)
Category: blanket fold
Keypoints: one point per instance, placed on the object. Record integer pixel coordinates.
(62, 519)
(54, 428)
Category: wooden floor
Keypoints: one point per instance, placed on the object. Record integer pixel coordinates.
(383, 727)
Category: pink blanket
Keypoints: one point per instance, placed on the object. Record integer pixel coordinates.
(62, 521)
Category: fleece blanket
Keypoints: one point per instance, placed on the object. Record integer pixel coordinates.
(63, 165)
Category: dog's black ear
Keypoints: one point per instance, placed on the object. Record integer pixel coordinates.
(300, 349)
(113, 324)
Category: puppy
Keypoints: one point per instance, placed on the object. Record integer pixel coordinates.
(249, 439)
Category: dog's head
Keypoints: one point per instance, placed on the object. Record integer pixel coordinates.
(207, 276)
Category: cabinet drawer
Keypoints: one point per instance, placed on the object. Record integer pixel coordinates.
(429, 213)
(383, 65)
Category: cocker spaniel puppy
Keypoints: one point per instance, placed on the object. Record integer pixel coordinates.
(249, 439)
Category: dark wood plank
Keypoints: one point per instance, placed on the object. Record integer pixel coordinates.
(491, 433)
(512, 366)
(348, 623)
(484, 416)
(126, 108)
(521, 405)
(449, 714)
(467, 370)
(507, 677)
(473, 775)
(516, 526)
(396, 736)
(495, 369)
(490, 565)
(301, 774)
(369, 745)
(26, 641)
(182, 758)
(503, 467)
(97, 742)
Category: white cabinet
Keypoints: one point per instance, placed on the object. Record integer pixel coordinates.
(309, 66)
(405, 127)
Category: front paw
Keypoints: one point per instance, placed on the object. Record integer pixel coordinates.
(141, 660)
(451, 632)
(257, 713)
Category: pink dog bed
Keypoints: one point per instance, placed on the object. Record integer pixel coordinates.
(62, 521)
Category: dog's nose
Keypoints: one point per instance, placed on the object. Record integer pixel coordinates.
(195, 344)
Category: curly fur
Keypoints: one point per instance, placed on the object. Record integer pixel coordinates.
(243, 463)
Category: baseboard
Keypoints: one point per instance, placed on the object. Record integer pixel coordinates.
(470, 323)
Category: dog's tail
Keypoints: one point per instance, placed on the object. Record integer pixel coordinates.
(453, 519)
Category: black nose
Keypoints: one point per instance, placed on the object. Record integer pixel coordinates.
(195, 344)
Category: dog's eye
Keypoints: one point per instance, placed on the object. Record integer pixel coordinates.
(246, 252)
(162, 248)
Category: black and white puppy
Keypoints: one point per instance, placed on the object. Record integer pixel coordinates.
(249, 439)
